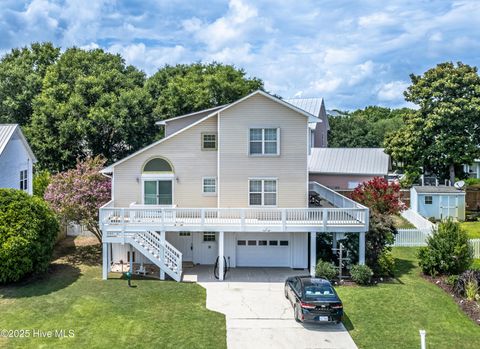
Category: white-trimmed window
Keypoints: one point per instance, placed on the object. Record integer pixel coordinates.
(209, 141)
(209, 185)
(264, 141)
(209, 237)
(428, 199)
(24, 180)
(262, 192)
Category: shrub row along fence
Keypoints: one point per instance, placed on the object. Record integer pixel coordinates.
(418, 237)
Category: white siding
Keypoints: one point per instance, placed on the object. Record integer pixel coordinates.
(119, 253)
(236, 166)
(299, 250)
(190, 164)
(14, 159)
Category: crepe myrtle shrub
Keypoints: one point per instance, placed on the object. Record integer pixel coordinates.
(448, 250)
(77, 194)
(379, 196)
(28, 231)
(361, 274)
(325, 270)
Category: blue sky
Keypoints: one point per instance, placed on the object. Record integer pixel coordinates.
(352, 53)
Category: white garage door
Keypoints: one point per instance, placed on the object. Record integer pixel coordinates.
(263, 250)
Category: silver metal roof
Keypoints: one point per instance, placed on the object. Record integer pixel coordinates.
(6, 132)
(310, 105)
(358, 161)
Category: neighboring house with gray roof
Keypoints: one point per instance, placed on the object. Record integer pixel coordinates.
(346, 168)
(16, 159)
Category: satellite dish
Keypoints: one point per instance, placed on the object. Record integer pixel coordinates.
(459, 184)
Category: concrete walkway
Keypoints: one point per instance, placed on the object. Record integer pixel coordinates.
(257, 313)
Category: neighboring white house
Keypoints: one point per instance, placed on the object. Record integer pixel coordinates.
(16, 159)
(229, 182)
(473, 170)
(438, 201)
(346, 168)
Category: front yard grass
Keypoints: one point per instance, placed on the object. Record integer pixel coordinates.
(108, 314)
(389, 315)
(401, 223)
(472, 228)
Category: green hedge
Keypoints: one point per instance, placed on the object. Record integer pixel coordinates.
(28, 230)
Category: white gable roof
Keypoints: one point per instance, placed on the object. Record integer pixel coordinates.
(6, 133)
(310, 117)
(358, 161)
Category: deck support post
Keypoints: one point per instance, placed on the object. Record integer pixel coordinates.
(334, 241)
(221, 269)
(110, 257)
(104, 261)
(131, 258)
(361, 248)
(162, 241)
(313, 253)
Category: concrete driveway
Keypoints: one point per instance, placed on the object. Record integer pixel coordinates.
(257, 313)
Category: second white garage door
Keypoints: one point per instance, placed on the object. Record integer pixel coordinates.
(263, 250)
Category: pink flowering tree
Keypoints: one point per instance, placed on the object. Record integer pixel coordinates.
(380, 196)
(77, 194)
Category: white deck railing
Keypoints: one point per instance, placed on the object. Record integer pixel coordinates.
(334, 198)
(279, 219)
(346, 216)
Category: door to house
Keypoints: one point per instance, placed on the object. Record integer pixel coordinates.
(183, 241)
(158, 192)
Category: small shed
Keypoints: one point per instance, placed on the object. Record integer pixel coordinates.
(439, 202)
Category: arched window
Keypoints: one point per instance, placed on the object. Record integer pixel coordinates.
(157, 165)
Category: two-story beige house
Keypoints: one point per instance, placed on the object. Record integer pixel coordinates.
(229, 183)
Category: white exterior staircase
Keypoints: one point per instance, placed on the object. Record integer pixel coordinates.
(153, 246)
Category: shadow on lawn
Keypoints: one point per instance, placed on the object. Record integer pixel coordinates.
(56, 278)
(347, 322)
(403, 267)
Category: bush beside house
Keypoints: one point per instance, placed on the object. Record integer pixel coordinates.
(447, 252)
(28, 230)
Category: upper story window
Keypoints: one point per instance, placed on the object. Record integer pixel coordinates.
(24, 180)
(157, 165)
(264, 141)
(209, 185)
(428, 200)
(262, 192)
(209, 141)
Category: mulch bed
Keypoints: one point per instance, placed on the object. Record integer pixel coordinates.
(471, 308)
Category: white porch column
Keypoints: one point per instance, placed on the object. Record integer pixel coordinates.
(110, 257)
(105, 261)
(313, 253)
(221, 249)
(162, 241)
(334, 240)
(361, 248)
(131, 259)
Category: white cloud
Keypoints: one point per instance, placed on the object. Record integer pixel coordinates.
(392, 91)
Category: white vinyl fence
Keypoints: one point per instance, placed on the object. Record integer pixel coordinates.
(476, 247)
(418, 237)
(411, 237)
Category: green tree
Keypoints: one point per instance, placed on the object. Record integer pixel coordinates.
(444, 132)
(91, 104)
(183, 88)
(21, 74)
(41, 180)
(364, 127)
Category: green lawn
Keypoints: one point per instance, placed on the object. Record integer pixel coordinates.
(402, 223)
(472, 228)
(108, 314)
(390, 315)
(476, 264)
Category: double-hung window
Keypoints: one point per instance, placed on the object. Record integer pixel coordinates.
(262, 192)
(428, 199)
(209, 185)
(24, 180)
(209, 141)
(264, 141)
